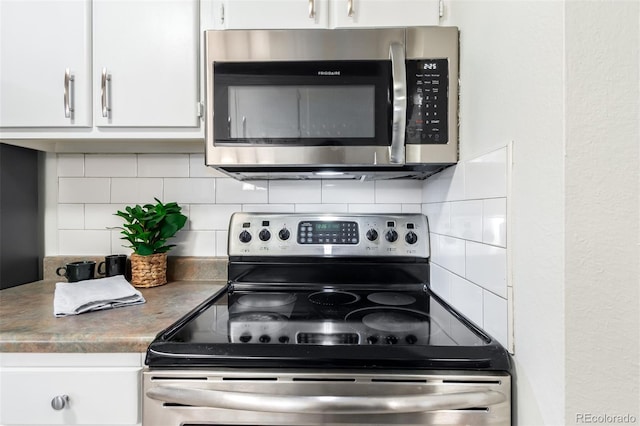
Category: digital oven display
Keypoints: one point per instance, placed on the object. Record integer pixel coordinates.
(328, 232)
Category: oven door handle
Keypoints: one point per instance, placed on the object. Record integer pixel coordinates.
(399, 123)
(325, 404)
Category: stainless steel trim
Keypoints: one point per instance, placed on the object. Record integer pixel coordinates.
(312, 9)
(399, 73)
(350, 10)
(104, 92)
(325, 404)
(68, 97)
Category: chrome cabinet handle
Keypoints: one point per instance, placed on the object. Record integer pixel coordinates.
(312, 9)
(323, 405)
(68, 97)
(59, 402)
(398, 69)
(104, 92)
(350, 11)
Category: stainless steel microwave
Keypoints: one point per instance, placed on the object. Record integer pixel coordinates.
(345, 103)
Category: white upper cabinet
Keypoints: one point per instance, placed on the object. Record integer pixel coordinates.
(145, 63)
(293, 14)
(270, 14)
(45, 74)
(133, 72)
(384, 13)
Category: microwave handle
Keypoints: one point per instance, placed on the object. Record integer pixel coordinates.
(399, 75)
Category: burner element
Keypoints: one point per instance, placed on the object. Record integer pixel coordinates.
(392, 320)
(333, 298)
(266, 300)
(391, 299)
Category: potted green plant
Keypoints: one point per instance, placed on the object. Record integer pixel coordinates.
(147, 229)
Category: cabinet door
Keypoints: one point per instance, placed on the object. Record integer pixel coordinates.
(271, 14)
(145, 63)
(384, 13)
(39, 41)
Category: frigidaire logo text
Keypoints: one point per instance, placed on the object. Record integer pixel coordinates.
(328, 72)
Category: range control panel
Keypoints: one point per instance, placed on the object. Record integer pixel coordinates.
(326, 235)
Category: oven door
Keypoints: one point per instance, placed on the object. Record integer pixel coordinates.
(302, 398)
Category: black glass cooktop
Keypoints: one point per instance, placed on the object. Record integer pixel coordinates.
(403, 326)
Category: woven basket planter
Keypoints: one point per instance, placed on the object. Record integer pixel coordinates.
(148, 271)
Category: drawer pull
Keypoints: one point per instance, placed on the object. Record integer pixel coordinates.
(59, 402)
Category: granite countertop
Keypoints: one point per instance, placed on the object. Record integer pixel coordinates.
(27, 323)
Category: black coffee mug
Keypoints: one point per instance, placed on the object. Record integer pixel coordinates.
(114, 264)
(78, 271)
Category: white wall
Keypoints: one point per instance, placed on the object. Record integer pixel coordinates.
(602, 164)
(511, 65)
(560, 79)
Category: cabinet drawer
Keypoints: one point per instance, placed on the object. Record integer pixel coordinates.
(96, 396)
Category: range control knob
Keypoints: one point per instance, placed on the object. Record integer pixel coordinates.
(392, 340)
(372, 340)
(372, 234)
(245, 236)
(411, 339)
(283, 339)
(284, 234)
(391, 235)
(264, 338)
(245, 338)
(411, 237)
(264, 235)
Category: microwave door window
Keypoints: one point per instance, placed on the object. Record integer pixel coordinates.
(335, 112)
(320, 112)
(263, 112)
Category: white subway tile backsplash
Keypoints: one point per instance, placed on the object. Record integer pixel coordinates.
(70, 165)
(221, 243)
(439, 216)
(452, 254)
(466, 220)
(412, 208)
(440, 281)
(70, 216)
(398, 191)
(83, 190)
(102, 216)
(231, 191)
(136, 190)
(321, 208)
(495, 317)
(190, 190)
(486, 176)
(204, 217)
(434, 245)
(194, 243)
(163, 165)
(453, 183)
(336, 191)
(84, 242)
(118, 245)
(467, 297)
(433, 190)
(375, 208)
(110, 165)
(197, 167)
(268, 208)
(487, 267)
(285, 192)
(494, 222)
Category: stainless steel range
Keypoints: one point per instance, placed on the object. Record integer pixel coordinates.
(326, 320)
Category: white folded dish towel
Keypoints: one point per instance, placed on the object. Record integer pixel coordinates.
(94, 295)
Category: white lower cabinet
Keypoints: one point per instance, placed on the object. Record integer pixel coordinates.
(70, 389)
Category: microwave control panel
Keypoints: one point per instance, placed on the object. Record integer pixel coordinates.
(427, 101)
